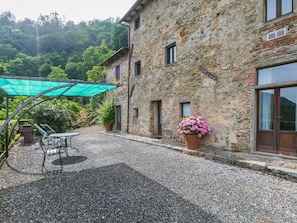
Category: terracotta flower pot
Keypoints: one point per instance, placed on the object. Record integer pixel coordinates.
(192, 141)
(108, 127)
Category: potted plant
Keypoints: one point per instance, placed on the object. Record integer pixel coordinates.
(193, 129)
(107, 113)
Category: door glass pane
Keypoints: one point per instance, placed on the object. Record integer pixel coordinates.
(118, 113)
(287, 6)
(288, 100)
(271, 9)
(266, 109)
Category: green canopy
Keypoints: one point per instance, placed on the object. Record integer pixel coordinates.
(24, 86)
(36, 87)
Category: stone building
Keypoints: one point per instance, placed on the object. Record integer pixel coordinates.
(117, 73)
(232, 62)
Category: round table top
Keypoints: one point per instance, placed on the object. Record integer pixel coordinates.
(64, 134)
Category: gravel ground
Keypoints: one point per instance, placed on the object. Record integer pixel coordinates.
(113, 179)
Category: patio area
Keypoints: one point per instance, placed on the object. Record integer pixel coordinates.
(116, 179)
(91, 187)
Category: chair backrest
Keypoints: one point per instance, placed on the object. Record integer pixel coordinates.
(47, 128)
(41, 130)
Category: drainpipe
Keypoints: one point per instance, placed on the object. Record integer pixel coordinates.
(129, 74)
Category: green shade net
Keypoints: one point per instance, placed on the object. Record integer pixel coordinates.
(13, 86)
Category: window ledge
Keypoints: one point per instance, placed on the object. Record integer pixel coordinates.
(171, 64)
(279, 22)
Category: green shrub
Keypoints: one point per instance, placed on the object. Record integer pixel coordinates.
(12, 133)
(107, 112)
(59, 114)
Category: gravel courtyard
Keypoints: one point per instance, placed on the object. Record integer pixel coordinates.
(113, 179)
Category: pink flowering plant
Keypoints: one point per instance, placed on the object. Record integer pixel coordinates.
(59, 114)
(194, 125)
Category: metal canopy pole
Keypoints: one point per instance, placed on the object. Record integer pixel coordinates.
(6, 128)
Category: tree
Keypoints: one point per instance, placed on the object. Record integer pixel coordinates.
(23, 65)
(7, 52)
(30, 48)
(75, 71)
(57, 73)
(93, 56)
(97, 74)
(119, 36)
(45, 68)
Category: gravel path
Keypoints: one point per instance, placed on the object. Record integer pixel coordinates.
(118, 180)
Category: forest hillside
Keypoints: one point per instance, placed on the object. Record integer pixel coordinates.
(51, 47)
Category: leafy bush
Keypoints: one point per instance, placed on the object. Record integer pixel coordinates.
(13, 104)
(60, 115)
(12, 133)
(107, 112)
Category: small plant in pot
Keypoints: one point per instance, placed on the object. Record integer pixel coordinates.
(107, 113)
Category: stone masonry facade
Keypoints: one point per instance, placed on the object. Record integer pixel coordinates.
(120, 58)
(226, 38)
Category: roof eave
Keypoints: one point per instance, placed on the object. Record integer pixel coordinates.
(122, 51)
(134, 10)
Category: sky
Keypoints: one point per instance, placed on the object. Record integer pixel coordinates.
(74, 10)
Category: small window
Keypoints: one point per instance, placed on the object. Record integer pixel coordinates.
(118, 73)
(137, 68)
(185, 109)
(135, 112)
(137, 23)
(170, 54)
(277, 8)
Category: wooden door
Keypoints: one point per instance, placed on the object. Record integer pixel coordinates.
(277, 121)
(118, 118)
(157, 117)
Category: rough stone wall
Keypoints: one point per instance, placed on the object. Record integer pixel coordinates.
(226, 37)
(119, 94)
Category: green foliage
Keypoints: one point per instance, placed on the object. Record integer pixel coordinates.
(119, 36)
(23, 65)
(107, 112)
(12, 133)
(29, 48)
(57, 73)
(97, 74)
(93, 56)
(94, 103)
(7, 52)
(60, 115)
(13, 103)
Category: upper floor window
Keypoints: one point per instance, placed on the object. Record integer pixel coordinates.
(277, 8)
(137, 23)
(185, 109)
(137, 68)
(170, 54)
(118, 73)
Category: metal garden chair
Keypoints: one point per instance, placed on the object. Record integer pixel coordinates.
(49, 145)
(50, 150)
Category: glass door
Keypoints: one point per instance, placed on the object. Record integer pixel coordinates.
(277, 116)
